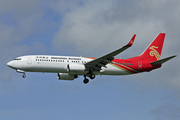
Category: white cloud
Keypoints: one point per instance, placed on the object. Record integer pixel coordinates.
(63, 6)
(97, 24)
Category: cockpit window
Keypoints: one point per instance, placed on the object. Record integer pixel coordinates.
(17, 59)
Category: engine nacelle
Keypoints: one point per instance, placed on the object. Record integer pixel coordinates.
(76, 68)
(66, 76)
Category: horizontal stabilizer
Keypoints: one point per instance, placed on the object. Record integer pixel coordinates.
(159, 62)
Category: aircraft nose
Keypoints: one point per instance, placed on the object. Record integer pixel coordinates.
(10, 64)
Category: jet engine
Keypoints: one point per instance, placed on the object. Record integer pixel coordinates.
(66, 76)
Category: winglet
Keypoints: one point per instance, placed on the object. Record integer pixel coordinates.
(131, 41)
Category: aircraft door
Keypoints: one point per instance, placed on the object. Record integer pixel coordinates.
(29, 61)
(139, 65)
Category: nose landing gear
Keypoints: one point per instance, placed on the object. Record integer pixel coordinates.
(21, 71)
(24, 75)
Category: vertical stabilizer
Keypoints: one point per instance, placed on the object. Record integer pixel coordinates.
(153, 51)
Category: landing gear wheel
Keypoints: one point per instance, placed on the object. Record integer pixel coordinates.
(86, 81)
(24, 76)
(92, 76)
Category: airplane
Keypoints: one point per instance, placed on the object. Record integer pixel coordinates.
(69, 67)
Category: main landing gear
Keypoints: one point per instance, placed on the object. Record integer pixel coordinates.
(86, 80)
(92, 76)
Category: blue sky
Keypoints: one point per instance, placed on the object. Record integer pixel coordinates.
(89, 28)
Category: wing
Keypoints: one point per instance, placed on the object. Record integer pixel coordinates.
(96, 64)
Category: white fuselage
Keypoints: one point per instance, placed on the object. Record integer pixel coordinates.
(58, 64)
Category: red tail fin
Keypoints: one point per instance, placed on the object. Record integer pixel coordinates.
(153, 51)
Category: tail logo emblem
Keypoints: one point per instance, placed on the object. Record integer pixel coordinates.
(131, 42)
(154, 52)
